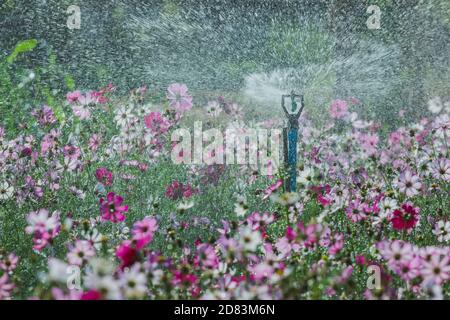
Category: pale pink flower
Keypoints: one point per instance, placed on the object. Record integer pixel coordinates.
(81, 252)
(436, 270)
(409, 183)
(179, 98)
(338, 109)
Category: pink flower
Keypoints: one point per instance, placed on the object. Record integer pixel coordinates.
(104, 176)
(81, 111)
(156, 123)
(80, 253)
(94, 142)
(440, 169)
(44, 115)
(43, 227)
(206, 256)
(9, 263)
(273, 187)
(5, 287)
(72, 152)
(355, 211)
(409, 183)
(405, 218)
(360, 259)
(91, 295)
(338, 109)
(369, 143)
(436, 270)
(178, 97)
(177, 190)
(143, 231)
(73, 96)
(59, 294)
(112, 208)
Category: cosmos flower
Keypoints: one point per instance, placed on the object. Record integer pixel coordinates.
(177, 190)
(44, 115)
(104, 176)
(179, 98)
(272, 188)
(81, 252)
(143, 231)
(127, 253)
(213, 109)
(9, 263)
(338, 109)
(6, 287)
(440, 169)
(81, 111)
(409, 183)
(6, 191)
(436, 270)
(156, 123)
(306, 176)
(123, 116)
(355, 211)
(112, 209)
(442, 230)
(43, 227)
(405, 218)
(249, 239)
(133, 282)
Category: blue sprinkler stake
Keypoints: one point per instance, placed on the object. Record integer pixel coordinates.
(290, 138)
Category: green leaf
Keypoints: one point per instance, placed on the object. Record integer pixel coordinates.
(21, 47)
(70, 83)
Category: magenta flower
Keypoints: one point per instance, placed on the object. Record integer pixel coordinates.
(127, 253)
(112, 209)
(176, 190)
(179, 98)
(104, 176)
(405, 218)
(156, 123)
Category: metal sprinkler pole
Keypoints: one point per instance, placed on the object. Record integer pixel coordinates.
(290, 138)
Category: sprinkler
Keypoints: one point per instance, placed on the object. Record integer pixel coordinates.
(290, 137)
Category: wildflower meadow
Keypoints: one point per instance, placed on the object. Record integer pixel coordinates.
(110, 193)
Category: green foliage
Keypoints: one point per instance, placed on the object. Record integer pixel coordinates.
(22, 47)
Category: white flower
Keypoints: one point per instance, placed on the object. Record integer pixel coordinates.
(440, 169)
(213, 109)
(123, 116)
(133, 282)
(109, 288)
(94, 237)
(240, 207)
(57, 270)
(306, 176)
(442, 230)
(6, 191)
(285, 199)
(185, 205)
(409, 183)
(435, 105)
(387, 206)
(249, 239)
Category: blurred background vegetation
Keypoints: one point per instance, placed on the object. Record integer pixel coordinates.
(213, 45)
